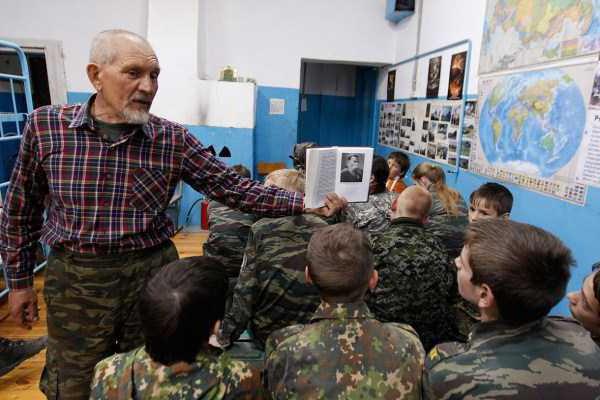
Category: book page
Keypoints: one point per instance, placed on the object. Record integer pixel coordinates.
(321, 175)
(354, 173)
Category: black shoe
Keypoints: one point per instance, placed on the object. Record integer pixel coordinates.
(14, 352)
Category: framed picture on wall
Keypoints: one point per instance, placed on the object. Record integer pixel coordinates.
(391, 85)
(457, 76)
(433, 76)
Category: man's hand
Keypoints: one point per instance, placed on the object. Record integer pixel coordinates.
(22, 304)
(333, 205)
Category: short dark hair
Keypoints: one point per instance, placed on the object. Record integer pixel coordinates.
(401, 159)
(380, 172)
(526, 267)
(178, 307)
(340, 262)
(495, 195)
(596, 282)
(241, 170)
(299, 154)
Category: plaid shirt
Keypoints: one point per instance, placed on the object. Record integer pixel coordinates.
(106, 197)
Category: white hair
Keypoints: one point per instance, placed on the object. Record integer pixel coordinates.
(103, 51)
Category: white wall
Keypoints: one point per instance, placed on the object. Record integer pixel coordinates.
(443, 22)
(266, 39)
(173, 33)
(176, 34)
(74, 23)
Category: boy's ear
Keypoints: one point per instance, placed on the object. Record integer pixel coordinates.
(373, 279)
(216, 327)
(505, 216)
(307, 276)
(486, 297)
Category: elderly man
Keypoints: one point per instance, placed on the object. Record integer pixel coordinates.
(108, 169)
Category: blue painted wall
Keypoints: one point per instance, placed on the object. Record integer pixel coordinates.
(77, 97)
(275, 135)
(239, 142)
(341, 120)
(578, 227)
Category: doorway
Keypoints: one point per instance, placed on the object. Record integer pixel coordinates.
(337, 103)
(48, 86)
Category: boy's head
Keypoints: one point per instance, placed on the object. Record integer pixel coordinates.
(427, 175)
(379, 175)
(512, 271)
(291, 180)
(414, 202)
(241, 170)
(490, 200)
(340, 263)
(585, 303)
(299, 154)
(399, 163)
(174, 329)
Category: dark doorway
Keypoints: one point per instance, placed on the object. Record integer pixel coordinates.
(38, 77)
(337, 103)
(40, 93)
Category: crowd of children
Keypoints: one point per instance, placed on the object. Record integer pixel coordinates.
(410, 295)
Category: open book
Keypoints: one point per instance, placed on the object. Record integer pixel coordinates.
(343, 170)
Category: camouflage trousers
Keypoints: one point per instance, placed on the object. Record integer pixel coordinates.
(92, 313)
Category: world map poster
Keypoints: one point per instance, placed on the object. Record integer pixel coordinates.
(530, 128)
(518, 33)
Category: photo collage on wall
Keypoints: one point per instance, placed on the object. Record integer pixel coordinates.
(468, 132)
(427, 128)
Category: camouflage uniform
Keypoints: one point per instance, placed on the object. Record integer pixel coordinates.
(372, 215)
(214, 375)
(271, 292)
(345, 354)
(550, 358)
(450, 229)
(415, 281)
(92, 312)
(226, 241)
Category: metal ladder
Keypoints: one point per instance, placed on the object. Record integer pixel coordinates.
(14, 118)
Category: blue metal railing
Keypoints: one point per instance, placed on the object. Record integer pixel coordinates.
(15, 116)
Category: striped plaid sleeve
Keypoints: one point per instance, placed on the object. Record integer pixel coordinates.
(207, 174)
(22, 214)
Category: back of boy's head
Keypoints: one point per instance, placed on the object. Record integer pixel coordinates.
(380, 172)
(241, 170)
(402, 160)
(289, 179)
(414, 202)
(179, 306)
(493, 195)
(526, 267)
(340, 263)
(299, 154)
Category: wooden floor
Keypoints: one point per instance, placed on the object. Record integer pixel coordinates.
(22, 382)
